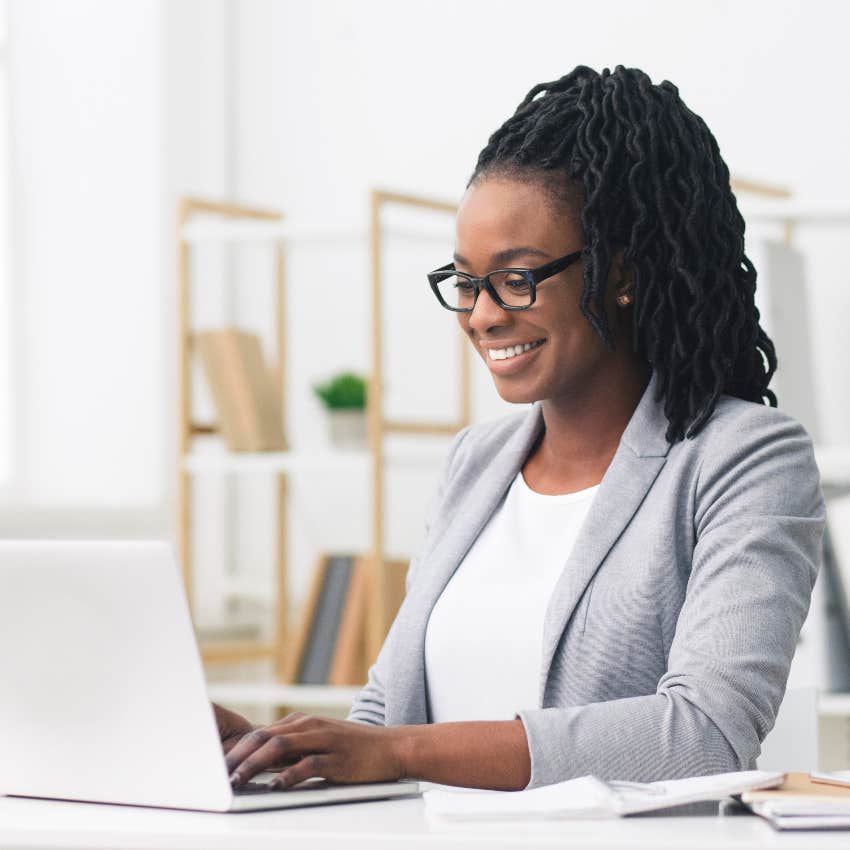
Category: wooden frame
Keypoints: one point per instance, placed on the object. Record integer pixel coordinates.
(765, 190)
(379, 426)
(229, 651)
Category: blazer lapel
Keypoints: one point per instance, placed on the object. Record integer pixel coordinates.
(410, 705)
(639, 458)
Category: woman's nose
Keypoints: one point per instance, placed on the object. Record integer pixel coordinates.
(486, 313)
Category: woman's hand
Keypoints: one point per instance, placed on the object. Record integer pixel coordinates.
(232, 727)
(300, 746)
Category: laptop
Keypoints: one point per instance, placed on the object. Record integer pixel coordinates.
(102, 693)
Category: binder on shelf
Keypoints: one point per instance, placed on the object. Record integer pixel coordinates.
(247, 401)
(331, 645)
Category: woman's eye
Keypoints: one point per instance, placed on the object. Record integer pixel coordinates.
(517, 284)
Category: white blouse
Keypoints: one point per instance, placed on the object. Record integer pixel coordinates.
(484, 641)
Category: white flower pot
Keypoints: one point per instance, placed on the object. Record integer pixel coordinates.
(348, 429)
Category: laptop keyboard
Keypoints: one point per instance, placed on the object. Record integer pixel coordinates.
(264, 788)
(254, 788)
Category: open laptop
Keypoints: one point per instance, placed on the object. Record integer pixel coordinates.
(102, 693)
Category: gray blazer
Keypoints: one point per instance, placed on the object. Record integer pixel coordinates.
(669, 635)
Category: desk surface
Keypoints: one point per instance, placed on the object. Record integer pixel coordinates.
(369, 826)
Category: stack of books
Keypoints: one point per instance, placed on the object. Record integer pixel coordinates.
(330, 647)
(805, 801)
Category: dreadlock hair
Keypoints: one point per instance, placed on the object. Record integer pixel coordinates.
(650, 182)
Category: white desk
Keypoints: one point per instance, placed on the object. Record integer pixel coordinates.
(397, 824)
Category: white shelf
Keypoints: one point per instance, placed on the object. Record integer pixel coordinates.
(228, 230)
(834, 705)
(223, 461)
(808, 212)
(294, 696)
(212, 230)
(834, 464)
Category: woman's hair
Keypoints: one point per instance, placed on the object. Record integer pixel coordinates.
(648, 177)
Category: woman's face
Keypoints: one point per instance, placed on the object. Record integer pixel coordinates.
(505, 223)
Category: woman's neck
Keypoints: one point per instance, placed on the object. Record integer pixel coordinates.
(582, 433)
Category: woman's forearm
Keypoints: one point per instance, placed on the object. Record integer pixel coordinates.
(476, 754)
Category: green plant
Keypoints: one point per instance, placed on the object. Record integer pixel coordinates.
(345, 391)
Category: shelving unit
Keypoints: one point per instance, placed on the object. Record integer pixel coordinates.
(378, 423)
(773, 205)
(202, 222)
(230, 220)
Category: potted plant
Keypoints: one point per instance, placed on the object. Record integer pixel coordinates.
(344, 398)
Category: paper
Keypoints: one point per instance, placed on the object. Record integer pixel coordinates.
(835, 777)
(588, 797)
(585, 797)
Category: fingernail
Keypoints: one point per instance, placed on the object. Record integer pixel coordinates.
(235, 778)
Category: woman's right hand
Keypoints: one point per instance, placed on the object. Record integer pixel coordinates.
(232, 727)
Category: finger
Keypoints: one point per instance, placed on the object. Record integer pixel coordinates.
(248, 744)
(315, 764)
(256, 739)
(277, 750)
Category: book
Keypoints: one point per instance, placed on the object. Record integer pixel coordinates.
(331, 643)
(322, 618)
(802, 802)
(247, 402)
(350, 663)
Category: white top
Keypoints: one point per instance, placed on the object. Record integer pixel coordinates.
(484, 642)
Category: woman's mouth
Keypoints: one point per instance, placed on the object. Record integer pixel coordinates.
(512, 351)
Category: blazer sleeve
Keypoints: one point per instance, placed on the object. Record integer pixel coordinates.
(370, 703)
(759, 519)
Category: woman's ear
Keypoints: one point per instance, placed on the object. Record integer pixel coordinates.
(623, 277)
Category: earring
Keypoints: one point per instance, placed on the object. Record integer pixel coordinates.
(624, 299)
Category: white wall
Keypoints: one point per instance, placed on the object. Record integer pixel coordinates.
(88, 245)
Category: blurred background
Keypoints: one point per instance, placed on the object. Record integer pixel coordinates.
(113, 114)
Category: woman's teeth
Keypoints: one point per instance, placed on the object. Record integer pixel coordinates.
(511, 350)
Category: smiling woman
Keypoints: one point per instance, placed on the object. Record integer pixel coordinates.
(612, 583)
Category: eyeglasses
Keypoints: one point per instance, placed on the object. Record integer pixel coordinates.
(511, 289)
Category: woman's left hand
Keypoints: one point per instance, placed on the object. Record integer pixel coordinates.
(301, 746)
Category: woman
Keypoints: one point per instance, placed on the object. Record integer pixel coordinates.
(612, 583)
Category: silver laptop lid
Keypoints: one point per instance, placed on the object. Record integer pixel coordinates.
(102, 694)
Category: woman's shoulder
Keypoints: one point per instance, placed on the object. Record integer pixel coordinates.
(760, 453)
(477, 447)
(487, 437)
(736, 423)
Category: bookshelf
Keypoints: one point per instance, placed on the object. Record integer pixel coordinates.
(202, 222)
(230, 218)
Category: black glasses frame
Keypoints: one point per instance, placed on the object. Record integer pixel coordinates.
(532, 277)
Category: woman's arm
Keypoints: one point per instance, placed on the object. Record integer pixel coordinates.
(480, 754)
(758, 519)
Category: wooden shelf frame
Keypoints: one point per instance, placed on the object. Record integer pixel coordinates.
(379, 426)
(190, 209)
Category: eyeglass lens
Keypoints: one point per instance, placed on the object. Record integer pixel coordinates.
(458, 291)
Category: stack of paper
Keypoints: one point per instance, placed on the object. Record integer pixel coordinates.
(805, 801)
(589, 797)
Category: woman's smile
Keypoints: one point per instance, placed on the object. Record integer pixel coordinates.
(506, 359)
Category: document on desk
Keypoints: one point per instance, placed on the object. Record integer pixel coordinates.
(589, 797)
